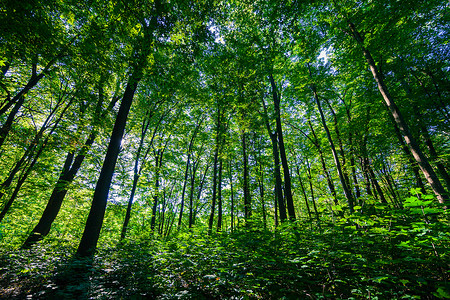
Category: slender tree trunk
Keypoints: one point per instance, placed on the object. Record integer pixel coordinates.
(433, 154)
(352, 147)
(408, 155)
(366, 176)
(129, 205)
(191, 192)
(341, 145)
(29, 168)
(261, 193)
(374, 180)
(29, 152)
(183, 192)
(275, 204)
(347, 192)
(413, 146)
(390, 184)
(186, 173)
(29, 155)
(136, 175)
(247, 203)
(231, 196)
(304, 193)
(324, 166)
(70, 169)
(214, 191)
(219, 199)
(215, 169)
(199, 194)
(34, 79)
(287, 177)
(7, 125)
(355, 178)
(158, 164)
(308, 168)
(279, 201)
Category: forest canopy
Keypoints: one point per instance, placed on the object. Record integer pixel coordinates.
(224, 149)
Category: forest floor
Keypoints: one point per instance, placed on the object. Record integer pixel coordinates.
(407, 260)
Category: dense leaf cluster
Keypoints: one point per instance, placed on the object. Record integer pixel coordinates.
(224, 149)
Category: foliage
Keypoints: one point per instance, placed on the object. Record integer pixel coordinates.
(384, 255)
(231, 106)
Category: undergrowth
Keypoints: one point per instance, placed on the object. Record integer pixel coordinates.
(390, 254)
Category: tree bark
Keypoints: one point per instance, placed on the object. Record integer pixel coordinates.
(70, 169)
(186, 172)
(215, 166)
(324, 166)
(279, 201)
(191, 192)
(287, 177)
(232, 198)
(341, 146)
(413, 146)
(433, 154)
(261, 191)
(304, 193)
(219, 199)
(308, 168)
(247, 203)
(94, 222)
(347, 192)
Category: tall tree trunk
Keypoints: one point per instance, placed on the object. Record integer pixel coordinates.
(432, 151)
(279, 201)
(183, 192)
(214, 191)
(287, 177)
(70, 169)
(366, 176)
(247, 203)
(370, 175)
(215, 168)
(409, 156)
(374, 181)
(304, 193)
(261, 192)
(324, 166)
(191, 192)
(352, 147)
(341, 145)
(94, 222)
(186, 172)
(345, 187)
(158, 166)
(199, 195)
(219, 198)
(390, 184)
(136, 175)
(308, 168)
(231, 196)
(413, 146)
